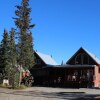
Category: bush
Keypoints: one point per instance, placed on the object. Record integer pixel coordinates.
(20, 87)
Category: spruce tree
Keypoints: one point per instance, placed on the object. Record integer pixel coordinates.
(25, 46)
(30, 53)
(4, 54)
(12, 46)
(14, 74)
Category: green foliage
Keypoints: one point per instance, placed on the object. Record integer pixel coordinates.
(14, 73)
(1, 78)
(20, 53)
(28, 81)
(8, 57)
(25, 40)
(4, 86)
(12, 48)
(29, 53)
(15, 79)
(20, 87)
(4, 53)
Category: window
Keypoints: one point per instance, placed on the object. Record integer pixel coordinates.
(78, 59)
(85, 59)
(82, 58)
(38, 61)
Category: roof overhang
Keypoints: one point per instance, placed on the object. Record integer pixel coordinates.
(74, 66)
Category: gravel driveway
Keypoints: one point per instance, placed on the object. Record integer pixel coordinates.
(44, 93)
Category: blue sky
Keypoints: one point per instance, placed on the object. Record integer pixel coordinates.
(62, 26)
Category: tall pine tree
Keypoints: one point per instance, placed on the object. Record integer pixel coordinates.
(4, 54)
(25, 41)
(12, 47)
(14, 74)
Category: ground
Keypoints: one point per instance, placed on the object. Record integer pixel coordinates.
(44, 93)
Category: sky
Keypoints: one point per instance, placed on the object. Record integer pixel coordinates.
(62, 26)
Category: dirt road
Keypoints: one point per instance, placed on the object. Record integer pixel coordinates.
(44, 93)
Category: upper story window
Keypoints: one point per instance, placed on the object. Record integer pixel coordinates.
(38, 61)
(85, 59)
(78, 59)
(81, 59)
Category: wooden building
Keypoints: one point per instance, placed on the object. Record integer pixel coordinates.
(41, 70)
(81, 70)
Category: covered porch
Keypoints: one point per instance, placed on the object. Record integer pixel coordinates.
(73, 76)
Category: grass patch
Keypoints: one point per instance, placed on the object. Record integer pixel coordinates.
(10, 87)
(4, 86)
(20, 87)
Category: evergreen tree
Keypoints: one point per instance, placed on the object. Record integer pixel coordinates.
(13, 61)
(12, 46)
(4, 54)
(25, 46)
(8, 58)
(30, 54)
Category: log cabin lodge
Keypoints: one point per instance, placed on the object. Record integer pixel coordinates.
(82, 70)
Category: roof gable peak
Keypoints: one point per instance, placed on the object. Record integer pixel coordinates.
(88, 53)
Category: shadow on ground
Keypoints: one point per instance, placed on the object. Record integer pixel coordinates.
(57, 95)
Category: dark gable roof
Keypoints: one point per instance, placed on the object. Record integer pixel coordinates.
(90, 54)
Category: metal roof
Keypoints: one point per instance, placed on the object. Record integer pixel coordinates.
(92, 56)
(47, 59)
